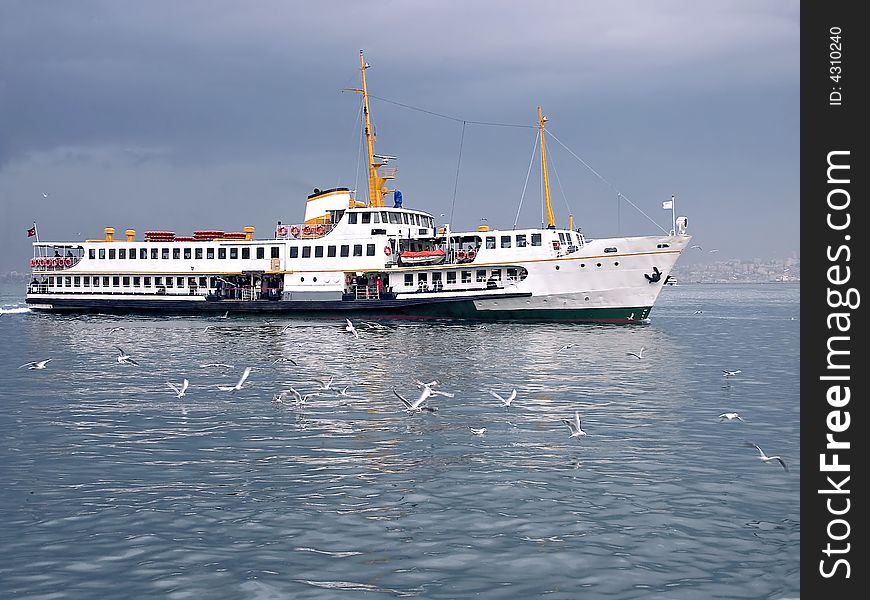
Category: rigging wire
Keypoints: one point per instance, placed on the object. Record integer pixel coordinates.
(531, 162)
(561, 189)
(601, 177)
(458, 163)
(359, 149)
(443, 116)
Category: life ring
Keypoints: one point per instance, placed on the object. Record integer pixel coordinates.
(294, 231)
(460, 254)
(321, 230)
(32, 262)
(472, 253)
(68, 262)
(53, 262)
(306, 230)
(282, 230)
(388, 250)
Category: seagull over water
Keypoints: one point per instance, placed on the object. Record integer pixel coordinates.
(574, 425)
(179, 392)
(326, 386)
(36, 364)
(763, 457)
(729, 417)
(697, 246)
(226, 314)
(565, 347)
(351, 329)
(124, 358)
(238, 386)
(429, 391)
(506, 401)
(285, 359)
(480, 431)
(223, 365)
(727, 373)
(637, 355)
(417, 405)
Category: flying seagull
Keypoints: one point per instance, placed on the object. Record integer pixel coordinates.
(114, 329)
(729, 417)
(238, 386)
(574, 425)
(124, 359)
(711, 251)
(225, 366)
(697, 246)
(351, 329)
(726, 373)
(36, 364)
(285, 359)
(179, 392)
(428, 391)
(698, 312)
(765, 458)
(326, 386)
(226, 314)
(637, 355)
(417, 405)
(506, 401)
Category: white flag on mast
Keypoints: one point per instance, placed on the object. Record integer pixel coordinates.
(668, 204)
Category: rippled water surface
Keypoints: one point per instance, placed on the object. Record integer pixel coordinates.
(112, 487)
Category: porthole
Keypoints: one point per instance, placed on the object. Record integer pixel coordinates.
(582, 265)
(616, 264)
(557, 267)
(599, 264)
(301, 279)
(586, 298)
(315, 280)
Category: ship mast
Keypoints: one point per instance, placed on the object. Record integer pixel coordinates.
(377, 189)
(551, 221)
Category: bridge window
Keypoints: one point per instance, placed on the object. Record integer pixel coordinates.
(158, 281)
(102, 253)
(376, 218)
(366, 217)
(122, 253)
(394, 218)
(352, 218)
(92, 254)
(154, 253)
(67, 281)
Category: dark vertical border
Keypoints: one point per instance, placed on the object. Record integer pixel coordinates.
(832, 114)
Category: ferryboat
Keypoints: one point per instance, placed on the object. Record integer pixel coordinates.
(351, 256)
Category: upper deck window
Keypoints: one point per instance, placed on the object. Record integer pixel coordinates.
(536, 239)
(505, 241)
(405, 219)
(345, 250)
(92, 254)
(222, 253)
(132, 254)
(490, 242)
(122, 253)
(187, 254)
(330, 251)
(521, 240)
(394, 218)
(234, 253)
(246, 253)
(318, 252)
(111, 254)
(209, 253)
(154, 253)
(306, 251)
(164, 253)
(143, 253)
(376, 218)
(102, 253)
(197, 253)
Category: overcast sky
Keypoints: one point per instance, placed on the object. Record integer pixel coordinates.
(216, 115)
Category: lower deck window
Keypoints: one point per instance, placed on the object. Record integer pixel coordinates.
(451, 277)
(466, 277)
(481, 276)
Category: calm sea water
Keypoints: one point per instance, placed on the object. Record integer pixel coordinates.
(112, 487)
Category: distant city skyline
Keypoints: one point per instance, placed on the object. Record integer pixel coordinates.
(216, 116)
